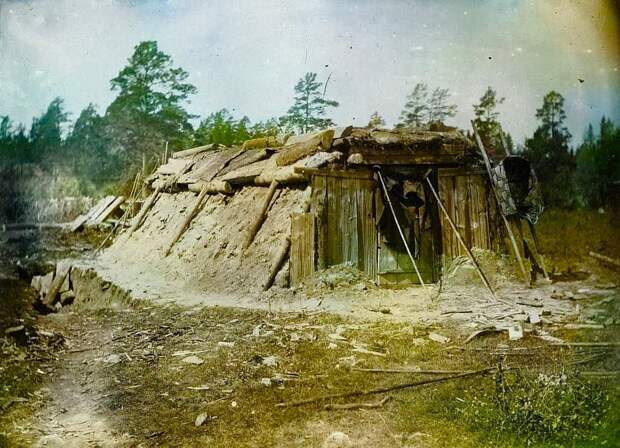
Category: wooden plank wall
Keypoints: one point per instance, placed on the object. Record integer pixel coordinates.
(302, 247)
(466, 197)
(346, 232)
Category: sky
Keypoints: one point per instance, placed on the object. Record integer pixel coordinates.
(246, 55)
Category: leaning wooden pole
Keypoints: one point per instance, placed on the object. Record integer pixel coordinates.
(460, 239)
(188, 219)
(143, 211)
(279, 262)
(252, 231)
(537, 246)
(511, 235)
(400, 230)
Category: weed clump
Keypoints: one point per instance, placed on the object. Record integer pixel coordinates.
(547, 409)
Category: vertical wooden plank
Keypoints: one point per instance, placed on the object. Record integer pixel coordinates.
(333, 205)
(319, 209)
(302, 247)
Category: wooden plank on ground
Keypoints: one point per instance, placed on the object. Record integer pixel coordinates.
(96, 220)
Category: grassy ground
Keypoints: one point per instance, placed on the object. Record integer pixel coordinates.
(251, 361)
(149, 392)
(568, 235)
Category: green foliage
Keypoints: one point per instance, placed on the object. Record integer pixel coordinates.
(547, 409)
(439, 110)
(309, 111)
(149, 107)
(220, 127)
(420, 110)
(89, 151)
(487, 122)
(46, 131)
(376, 121)
(416, 108)
(598, 163)
(549, 152)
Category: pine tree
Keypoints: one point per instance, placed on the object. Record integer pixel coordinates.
(46, 131)
(487, 124)
(549, 152)
(309, 111)
(149, 108)
(376, 121)
(416, 107)
(438, 108)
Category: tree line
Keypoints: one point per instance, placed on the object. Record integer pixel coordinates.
(149, 111)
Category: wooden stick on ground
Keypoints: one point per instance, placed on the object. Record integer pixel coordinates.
(421, 372)
(605, 259)
(188, 219)
(511, 235)
(252, 231)
(381, 390)
(352, 406)
(460, 240)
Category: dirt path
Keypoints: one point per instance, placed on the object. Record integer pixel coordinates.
(73, 414)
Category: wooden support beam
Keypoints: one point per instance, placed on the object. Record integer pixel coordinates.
(275, 268)
(143, 211)
(253, 230)
(188, 219)
(213, 187)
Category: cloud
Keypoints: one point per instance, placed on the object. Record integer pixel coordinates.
(247, 55)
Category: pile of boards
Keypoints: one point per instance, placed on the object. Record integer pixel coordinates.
(102, 214)
(55, 288)
(292, 159)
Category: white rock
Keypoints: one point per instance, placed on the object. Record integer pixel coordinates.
(193, 360)
(515, 332)
(112, 359)
(337, 439)
(201, 419)
(270, 361)
(438, 338)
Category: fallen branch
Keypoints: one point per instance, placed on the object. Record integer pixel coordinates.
(352, 406)
(421, 372)
(381, 390)
(605, 259)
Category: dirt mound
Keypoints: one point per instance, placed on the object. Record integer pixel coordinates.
(342, 276)
(209, 256)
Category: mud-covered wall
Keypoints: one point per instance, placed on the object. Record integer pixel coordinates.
(209, 256)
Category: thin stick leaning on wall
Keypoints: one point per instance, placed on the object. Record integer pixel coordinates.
(460, 239)
(400, 230)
